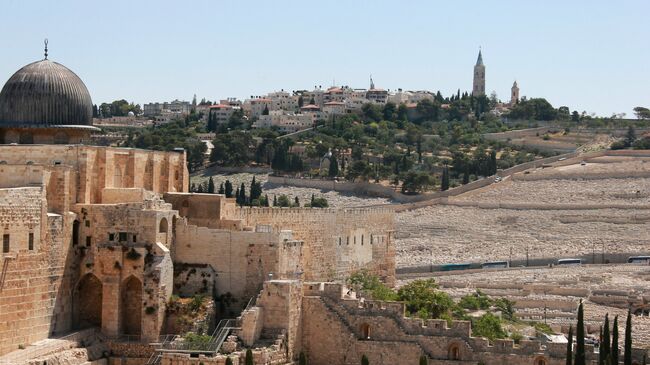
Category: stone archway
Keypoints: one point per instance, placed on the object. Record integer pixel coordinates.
(453, 352)
(87, 302)
(540, 360)
(131, 306)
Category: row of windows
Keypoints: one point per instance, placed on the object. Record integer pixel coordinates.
(6, 242)
(372, 240)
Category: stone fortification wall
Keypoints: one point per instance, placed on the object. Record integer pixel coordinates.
(342, 331)
(34, 284)
(242, 260)
(337, 242)
(97, 168)
(206, 210)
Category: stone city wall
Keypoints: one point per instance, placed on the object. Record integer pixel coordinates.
(337, 242)
(105, 167)
(34, 284)
(341, 331)
(242, 260)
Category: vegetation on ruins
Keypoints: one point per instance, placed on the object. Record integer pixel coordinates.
(249, 357)
(228, 361)
(132, 254)
(198, 342)
(423, 299)
(302, 359)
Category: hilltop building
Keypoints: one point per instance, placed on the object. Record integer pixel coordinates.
(514, 94)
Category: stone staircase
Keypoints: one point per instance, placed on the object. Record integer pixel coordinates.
(77, 348)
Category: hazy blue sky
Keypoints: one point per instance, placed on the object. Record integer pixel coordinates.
(587, 54)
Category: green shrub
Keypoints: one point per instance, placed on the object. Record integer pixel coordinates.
(249, 357)
(197, 342)
(488, 326)
(475, 301)
(362, 280)
(543, 328)
(196, 302)
(422, 294)
(150, 310)
(133, 254)
(302, 359)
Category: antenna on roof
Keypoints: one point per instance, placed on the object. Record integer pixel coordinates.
(45, 48)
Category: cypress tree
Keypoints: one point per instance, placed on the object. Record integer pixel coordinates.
(580, 338)
(364, 360)
(606, 338)
(222, 190)
(334, 167)
(242, 195)
(302, 360)
(211, 186)
(266, 200)
(228, 361)
(614, 351)
(423, 360)
(237, 197)
(569, 347)
(466, 175)
(296, 202)
(445, 179)
(601, 358)
(627, 357)
(228, 189)
(275, 201)
(493, 162)
(249, 357)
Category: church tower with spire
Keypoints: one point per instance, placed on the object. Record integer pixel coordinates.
(479, 76)
(514, 94)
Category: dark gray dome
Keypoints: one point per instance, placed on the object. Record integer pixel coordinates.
(45, 94)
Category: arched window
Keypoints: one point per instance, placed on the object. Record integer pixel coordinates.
(162, 228)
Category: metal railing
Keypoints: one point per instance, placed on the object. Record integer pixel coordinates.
(191, 343)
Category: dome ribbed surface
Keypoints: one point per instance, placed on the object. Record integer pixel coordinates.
(45, 94)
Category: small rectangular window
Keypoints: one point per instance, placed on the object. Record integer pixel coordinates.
(111, 236)
(87, 223)
(122, 237)
(31, 241)
(88, 241)
(135, 238)
(5, 243)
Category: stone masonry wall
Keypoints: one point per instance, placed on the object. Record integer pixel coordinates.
(241, 260)
(34, 284)
(337, 242)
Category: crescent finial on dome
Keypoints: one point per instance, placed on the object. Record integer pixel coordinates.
(45, 48)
